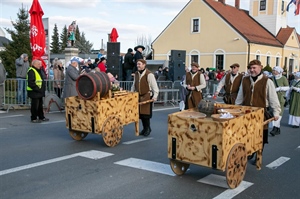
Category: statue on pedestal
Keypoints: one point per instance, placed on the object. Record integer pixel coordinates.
(71, 34)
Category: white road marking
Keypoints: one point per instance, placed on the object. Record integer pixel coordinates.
(95, 155)
(9, 116)
(163, 109)
(53, 122)
(298, 147)
(3, 128)
(147, 165)
(278, 162)
(138, 140)
(220, 181)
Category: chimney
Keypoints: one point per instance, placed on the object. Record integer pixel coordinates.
(237, 4)
(222, 1)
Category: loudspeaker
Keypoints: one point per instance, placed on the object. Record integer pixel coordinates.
(113, 48)
(177, 64)
(114, 66)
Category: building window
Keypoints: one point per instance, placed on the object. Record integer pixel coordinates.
(195, 25)
(257, 57)
(194, 58)
(277, 61)
(220, 62)
(262, 5)
(268, 61)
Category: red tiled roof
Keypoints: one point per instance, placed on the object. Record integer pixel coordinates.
(284, 34)
(243, 23)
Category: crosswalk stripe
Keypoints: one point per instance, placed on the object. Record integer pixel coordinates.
(276, 163)
(138, 140)
(147, 165)
(93, 154)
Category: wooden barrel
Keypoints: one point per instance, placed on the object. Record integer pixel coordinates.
(87, 85)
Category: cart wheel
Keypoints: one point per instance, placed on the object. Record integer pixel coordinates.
(112, 131)
(76, 135)
(236, 165)
(179, 168)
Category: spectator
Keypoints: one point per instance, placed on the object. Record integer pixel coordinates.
(159, 72)
(22, 66)
(145, 84)
(166, 73)
(90, 64)
(86, 66)
(72, 74)
(220, 75)
(128, 64)
(58, 77)
(95, 64)
(2, 82)
(36, 91)
(102, 65)
(212, 75)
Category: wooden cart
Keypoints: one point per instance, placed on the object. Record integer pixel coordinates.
(102, 115)
(220, 145)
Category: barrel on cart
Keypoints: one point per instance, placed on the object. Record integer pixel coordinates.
(98, 110)
(222, 145)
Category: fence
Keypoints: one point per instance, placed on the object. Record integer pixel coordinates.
(170, 93)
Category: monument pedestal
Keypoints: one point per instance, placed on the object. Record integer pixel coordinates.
(69, 53)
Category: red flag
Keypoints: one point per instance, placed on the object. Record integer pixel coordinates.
(37, 32)
(113, 35)
(297, 11)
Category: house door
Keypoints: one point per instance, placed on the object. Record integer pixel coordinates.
(291, 65)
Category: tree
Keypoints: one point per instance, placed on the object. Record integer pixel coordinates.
(146, 42)
(77, 35)
(55, 47)
(64, 38)
(20, 42)
(83, 45)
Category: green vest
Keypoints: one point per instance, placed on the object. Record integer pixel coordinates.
(38, 79)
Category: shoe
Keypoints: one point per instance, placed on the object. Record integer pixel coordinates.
(274, 131)
(294, 126)
(142, 132)
(36, 121)
(147, 132)
(278, 131)
(44, 119)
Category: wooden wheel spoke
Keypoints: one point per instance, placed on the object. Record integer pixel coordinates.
(236, 165)
(112, 131)
(179, 168)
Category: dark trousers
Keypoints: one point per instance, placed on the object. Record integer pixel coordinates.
(146, 123)
(58, 91)
(37, 108)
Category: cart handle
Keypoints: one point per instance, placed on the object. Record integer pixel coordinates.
(268, 121)
(146, 102)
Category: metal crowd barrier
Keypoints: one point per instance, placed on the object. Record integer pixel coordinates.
(170, 92)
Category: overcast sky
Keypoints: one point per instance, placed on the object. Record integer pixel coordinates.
(96, 18)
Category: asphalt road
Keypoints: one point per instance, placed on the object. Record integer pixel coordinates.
(43, 161)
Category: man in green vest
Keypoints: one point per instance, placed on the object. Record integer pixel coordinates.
(36, 91)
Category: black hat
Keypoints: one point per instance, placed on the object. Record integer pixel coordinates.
(139, 46)
(102, 58)
(96, 60)
(129, 50)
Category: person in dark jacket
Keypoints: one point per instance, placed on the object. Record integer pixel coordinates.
(138, 55)
(36, 91)
(128, 64)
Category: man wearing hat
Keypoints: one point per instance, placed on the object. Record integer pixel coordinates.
(281, 86)
(71, 76)
(294, 96)
(194, 83)
(231, 83)
(138, 55)
(102, 64)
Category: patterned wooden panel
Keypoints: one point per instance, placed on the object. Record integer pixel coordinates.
(196, 137)
(124, 107)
